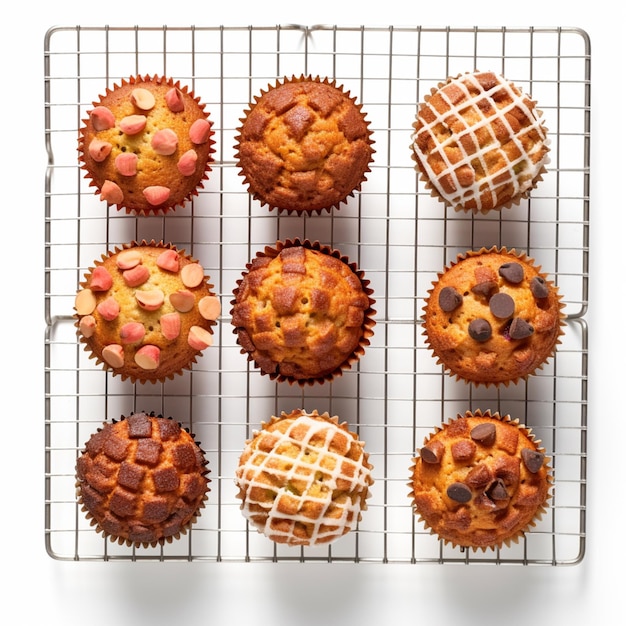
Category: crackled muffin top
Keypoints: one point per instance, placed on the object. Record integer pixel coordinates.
(302, 314)
(142, 479)
(304, 146)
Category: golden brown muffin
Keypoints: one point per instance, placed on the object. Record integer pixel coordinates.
(146, 145)
(304, 146)
(480, 481)
(479, 142)
(302, 312)
(493, 317)
(142, 480)
(303, 479)
(146, 311)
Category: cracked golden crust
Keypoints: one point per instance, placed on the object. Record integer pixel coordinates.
(304, 146)
(302, 312)
(484, 521)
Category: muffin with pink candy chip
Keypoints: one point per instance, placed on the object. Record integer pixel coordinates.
(146, 311)
(146, 145)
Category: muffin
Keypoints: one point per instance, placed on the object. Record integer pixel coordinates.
(146, 145)
(480, 144)
(142, 480)
(146, 311)
(480, 481)
(493, 317)
(303, 479)
(304, 146)
(302, 312)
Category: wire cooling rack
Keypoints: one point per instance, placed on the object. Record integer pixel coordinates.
(397, 234)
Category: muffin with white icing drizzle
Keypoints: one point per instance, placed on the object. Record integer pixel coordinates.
(303, 479)
(479, 143)
(146, 145)
(146, 311)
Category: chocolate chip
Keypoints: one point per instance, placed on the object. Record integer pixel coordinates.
(484, 433)
(497, 491)
(432, 452)
(520, 329)
(502, 305)
(513, 272)
(459, 492)
(479, 329)
(539, 287)
(139, 425)
(449, 299)
(532, 459)
(486, 288)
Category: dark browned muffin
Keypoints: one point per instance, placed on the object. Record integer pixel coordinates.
(302, 312)
(146, 145)
(304, 145)
(142, 480)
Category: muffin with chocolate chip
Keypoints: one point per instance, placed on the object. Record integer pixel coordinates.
(146, 145)
(304, 146)
(146, 311)
(480, 481)
(302, 312)
(142, 480)
(493, 317)
(303, 479)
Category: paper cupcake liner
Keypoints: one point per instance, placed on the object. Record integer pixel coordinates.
(301, 194)
(183, 188)
(97, 520)
(461, 206)
(487, 380)
(172, 363)
(300, 510)
(261, 357)
(508, 537)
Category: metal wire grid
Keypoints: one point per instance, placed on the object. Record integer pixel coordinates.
(393, 229)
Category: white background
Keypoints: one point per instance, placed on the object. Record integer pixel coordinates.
(35, 587)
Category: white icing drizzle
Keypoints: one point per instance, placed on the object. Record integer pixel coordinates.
(521, 172)
(302, 468)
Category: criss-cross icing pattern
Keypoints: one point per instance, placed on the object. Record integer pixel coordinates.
(303, 479)
(480, 142)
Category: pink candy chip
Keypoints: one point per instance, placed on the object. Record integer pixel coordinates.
(148, 357)
(170, 325)
(99, 150)
(174, 100)
(126, 164)
(187, 163)
(102, 118)
(111, 193)
(200, 131)
(156, 194)
(133, 124)
(113, 354)
(199, 338)
(168, 260)
(164, 142)
(101, 280)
